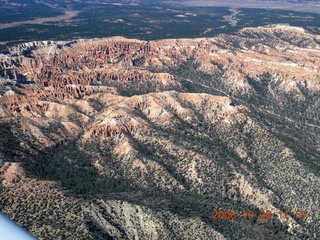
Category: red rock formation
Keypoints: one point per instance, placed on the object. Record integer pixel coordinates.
(74, 70)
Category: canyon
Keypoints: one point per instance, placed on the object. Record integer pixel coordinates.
(117, 138)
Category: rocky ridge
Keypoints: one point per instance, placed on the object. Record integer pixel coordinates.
(163, 132)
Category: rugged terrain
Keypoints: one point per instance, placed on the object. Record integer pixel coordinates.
(118, 138)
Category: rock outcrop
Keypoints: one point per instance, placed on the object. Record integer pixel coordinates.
(125, 139)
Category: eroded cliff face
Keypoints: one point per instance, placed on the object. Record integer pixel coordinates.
(73, 68)
(161, 133)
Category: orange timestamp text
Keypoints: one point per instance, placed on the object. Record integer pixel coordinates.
(262, 214)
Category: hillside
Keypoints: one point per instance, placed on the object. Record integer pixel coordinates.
(119, 138)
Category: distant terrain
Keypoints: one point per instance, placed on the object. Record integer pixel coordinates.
(293, 5)
(147, 20)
